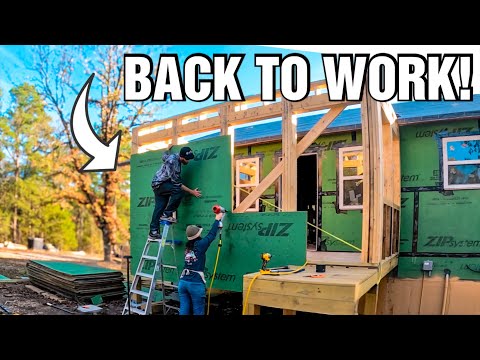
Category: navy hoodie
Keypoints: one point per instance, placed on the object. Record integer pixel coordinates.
(195, 258)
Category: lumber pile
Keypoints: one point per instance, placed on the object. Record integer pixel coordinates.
(76, 281)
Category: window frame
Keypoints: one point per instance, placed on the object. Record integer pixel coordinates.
(446, 163)
(342, 178)
(256, 160)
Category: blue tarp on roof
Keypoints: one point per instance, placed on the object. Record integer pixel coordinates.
(406, 112)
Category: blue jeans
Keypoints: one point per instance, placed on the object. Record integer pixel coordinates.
(192, 297)
(167, 200)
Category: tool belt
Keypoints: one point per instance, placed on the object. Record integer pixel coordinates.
(187, 272)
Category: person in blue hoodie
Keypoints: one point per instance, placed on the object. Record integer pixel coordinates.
(169, 189)
(192, 284)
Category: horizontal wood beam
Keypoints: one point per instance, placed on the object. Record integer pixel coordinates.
(258, 113)
(318, 102)
(255, 114)
(196, 127)
(216, 108)
(189, 115)
(153, 137)
(321, 84)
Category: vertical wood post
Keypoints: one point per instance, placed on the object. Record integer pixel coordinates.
(289, 153)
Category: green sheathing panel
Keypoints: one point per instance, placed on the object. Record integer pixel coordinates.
(449, 224)
(420, 153)
(74, 268)
(246, 236)
(406, 222)
(463, 268)
(3, 278)
(210, 171)
(347, 226)
(330, 143)
(329, 170)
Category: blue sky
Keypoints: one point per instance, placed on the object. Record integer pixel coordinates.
(16, 60)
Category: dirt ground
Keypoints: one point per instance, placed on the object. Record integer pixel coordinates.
(21, 297)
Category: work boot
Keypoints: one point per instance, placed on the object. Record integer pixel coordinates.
(154, 235)
(170, 219)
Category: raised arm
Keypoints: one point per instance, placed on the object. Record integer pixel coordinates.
(207, 240)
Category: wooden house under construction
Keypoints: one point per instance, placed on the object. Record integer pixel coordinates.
(390, 193)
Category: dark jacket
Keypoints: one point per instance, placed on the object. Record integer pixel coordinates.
(195, 255)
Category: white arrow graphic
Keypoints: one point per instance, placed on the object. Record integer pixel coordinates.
(103, 156)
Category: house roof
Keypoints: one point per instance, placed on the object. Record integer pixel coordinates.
(407, 112)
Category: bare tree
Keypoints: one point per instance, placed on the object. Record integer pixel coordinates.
(57, 68)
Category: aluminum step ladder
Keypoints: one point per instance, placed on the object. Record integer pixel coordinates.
(170, 288)
(145, 306)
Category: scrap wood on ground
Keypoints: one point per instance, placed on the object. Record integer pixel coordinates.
(77, 281)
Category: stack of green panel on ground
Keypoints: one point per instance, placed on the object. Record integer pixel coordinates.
(77, 281)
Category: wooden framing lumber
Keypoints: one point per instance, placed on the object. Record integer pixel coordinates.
(225, 115)
(396, 171)
(255, 114)
(289, 143)
(174, 132)
(388, 163)
(135, 140)
(318, 128)
(377, 183)
(300, 148)
(260, 188)
(366, 181)
(373, 187)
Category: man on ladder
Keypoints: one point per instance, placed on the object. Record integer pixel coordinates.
(169, 190)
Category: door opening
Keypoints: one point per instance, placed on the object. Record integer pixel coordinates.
(307, 199)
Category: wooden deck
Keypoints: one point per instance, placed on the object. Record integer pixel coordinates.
(334, 258)
(341, 290)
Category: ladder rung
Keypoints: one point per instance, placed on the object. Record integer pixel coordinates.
(138, 292)
(148, 257)
(173, 297)
(169, 266)
(170, 285)
(137, 311)
(150, 276)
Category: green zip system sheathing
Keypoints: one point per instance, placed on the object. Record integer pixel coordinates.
(436, 224)
(74, 269)
(244, 236)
